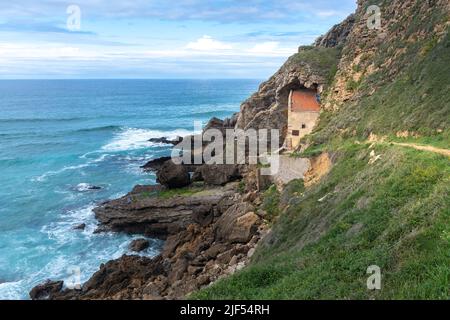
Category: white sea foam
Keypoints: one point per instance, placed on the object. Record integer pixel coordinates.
(83, 187)
(11, 290)
(133, 139)
(62, 231)
(44, 177)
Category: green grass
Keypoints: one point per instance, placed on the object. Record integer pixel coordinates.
(417, 99)
(271, 203)
(169, 193)
(394, 214)
(178, 192)
(438, 140)
(323, 60)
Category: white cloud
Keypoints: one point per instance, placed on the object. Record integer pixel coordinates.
(270, 48)
(207, 43)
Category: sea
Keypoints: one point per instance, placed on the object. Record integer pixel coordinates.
(61, 138)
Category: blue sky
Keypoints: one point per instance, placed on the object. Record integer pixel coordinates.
(158, 39)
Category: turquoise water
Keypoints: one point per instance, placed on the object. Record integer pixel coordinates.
(59, 137)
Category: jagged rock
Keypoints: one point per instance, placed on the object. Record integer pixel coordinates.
(117, 279)
(214, 123)
(165, 140)
(139, 245)
(203, 215)
(155, 164)
(238, 224)
(81, 226)
(173, 175)
(46, 290)
(338, 34)
(230, 122)
(268, 108)
(144, 212)
(197, 175)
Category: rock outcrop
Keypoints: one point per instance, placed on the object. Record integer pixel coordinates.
(217, 239)
(268, 108)
(155, 164)
(165, 140)
(146, 211)
(218, 175)
(337, 36)
(46, 290)
(139, 245)
(173, 175)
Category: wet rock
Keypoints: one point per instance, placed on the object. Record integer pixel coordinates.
(139, 245)
(165, 140)
(155, 164)
(81, 226)
(46, 290)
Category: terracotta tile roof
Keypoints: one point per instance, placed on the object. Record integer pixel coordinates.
(304, 100)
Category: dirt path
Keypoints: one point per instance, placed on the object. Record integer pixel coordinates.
(444, 152)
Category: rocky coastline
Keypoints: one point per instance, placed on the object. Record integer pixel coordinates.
(210, 231)
(210, 217)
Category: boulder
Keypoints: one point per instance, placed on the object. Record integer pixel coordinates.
(139, 245)
(214, 123)
(81, 226)
(238, 224)
(155, 164)
(165, 140)
(244, 228)
(173, 176)
(220, 175)
(46, 290)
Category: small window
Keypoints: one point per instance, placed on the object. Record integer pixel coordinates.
(303, 126)
(295, 133)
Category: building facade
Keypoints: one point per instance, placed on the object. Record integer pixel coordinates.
(303, 114)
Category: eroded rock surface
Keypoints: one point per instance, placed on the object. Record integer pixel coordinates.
(148, 212)
(218, 238)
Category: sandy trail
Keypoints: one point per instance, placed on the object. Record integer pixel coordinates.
(444, 152)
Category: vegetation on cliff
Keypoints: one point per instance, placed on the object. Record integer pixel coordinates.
(393, 214)
(381, 204)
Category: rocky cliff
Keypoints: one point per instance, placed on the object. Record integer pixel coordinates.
(373, 203)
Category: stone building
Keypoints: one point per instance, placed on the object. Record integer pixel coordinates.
(303, 113)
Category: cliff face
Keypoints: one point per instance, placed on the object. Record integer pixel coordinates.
(391, 80)
(312, 67)
(352, 62)
(364, 203)
(381, 203)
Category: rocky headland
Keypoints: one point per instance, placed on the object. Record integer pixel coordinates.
(211, 217)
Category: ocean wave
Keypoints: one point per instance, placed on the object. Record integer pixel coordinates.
(133, 138)
(62, 231)
(44, 176)
(95, 129)
(11, 290)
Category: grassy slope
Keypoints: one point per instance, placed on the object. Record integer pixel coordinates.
(394, 213)
(417, 100)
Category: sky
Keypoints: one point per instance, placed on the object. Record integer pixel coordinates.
(215, 39)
